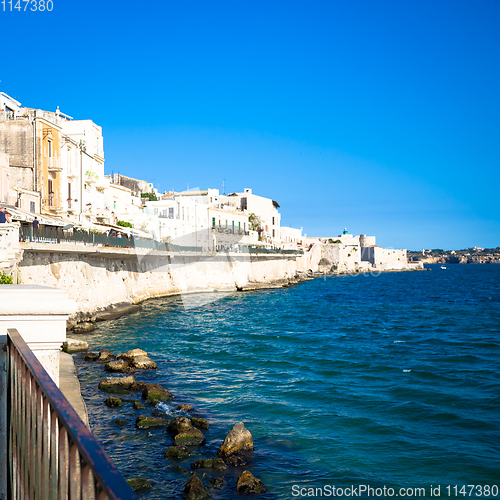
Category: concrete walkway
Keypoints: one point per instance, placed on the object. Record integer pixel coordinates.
(70, 386)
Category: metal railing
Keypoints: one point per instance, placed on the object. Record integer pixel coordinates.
(229, 230)
(274, 250)
(48, 234)
(54, 164)
(53, 455)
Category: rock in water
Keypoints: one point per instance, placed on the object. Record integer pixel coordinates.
(185, 407)
(195, 490)
(218, 482)
(148, 422)
(106, 355)
(201, 423)
(133, 353)
(192, 437)
(247, 483)
(71, 346)
(143, 363)
(237, 439)
(139, 484)
(91, 356)
(236, 461)
(84, 327)
(179, 452)
(113, 402)
(117, 385)
(180, 424)
(209, 463)
(120, 365)
(138, 405)
(155, 392)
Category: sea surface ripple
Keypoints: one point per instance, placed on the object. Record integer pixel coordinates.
(347, 380)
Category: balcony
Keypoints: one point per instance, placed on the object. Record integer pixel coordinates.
(53, 204)
(54, 164)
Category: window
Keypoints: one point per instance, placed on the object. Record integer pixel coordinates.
(32, 207)
(273, 233)
(213, 221)
(51, 193)
(273, 221)
(50, 149)
(171, 213)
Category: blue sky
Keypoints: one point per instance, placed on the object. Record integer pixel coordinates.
(382, 117)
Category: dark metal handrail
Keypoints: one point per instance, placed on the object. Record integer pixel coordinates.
(53, 455)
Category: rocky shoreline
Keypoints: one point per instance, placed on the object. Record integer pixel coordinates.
(184, 433)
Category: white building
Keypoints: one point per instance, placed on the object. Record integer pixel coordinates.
(265, 209)
(290, 237)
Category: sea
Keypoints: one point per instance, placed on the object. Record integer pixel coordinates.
(368, 386)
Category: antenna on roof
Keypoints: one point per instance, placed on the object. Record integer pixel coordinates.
(223, 189)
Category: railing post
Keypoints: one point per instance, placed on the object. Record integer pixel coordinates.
(4, 434)
(39, 314)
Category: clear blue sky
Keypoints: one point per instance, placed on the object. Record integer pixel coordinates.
(382, 117)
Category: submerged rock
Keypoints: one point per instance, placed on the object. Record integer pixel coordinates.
(139, 484)
(119, 385)
(72, 346)
(185, 407)
(120, 365)
(209, 463)
(148, 422)
(192, 437)
(236, 461)
(120, 422)
(155, 392)
(195, 490)
(91, 356)
(247, 483)
(201, 423)
(182, 470)
(178, 452)
(113, 402)
(237, 439)
(143, 363)
(138, 405)
(218, 482)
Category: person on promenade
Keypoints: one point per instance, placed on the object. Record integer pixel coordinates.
(8, 217)
(3, 219)
(36, 223)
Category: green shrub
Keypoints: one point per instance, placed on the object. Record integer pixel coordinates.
(149, 196)
(123, 223)
(6, 279)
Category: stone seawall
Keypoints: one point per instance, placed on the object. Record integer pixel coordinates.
(99, 278)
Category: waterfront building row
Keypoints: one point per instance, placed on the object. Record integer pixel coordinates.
(53, 165)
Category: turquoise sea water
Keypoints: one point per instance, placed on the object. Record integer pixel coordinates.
(389, 380)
